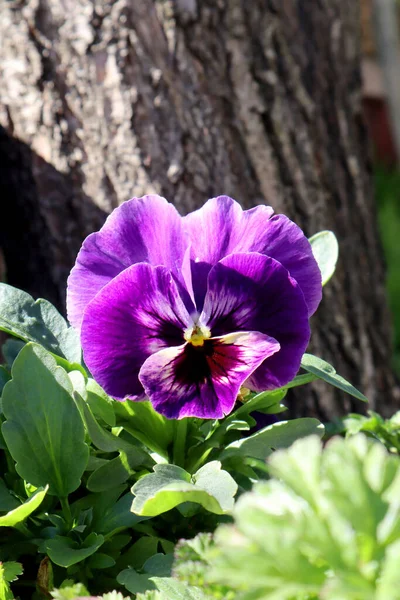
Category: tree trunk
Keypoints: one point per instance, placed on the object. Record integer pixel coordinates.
(105, 100)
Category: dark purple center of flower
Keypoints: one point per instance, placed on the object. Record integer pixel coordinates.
(194, 365)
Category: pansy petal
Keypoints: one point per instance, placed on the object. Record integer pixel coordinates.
(139, 312)
(147, 229)
(204, 382)
(221, 228)
(254, 292)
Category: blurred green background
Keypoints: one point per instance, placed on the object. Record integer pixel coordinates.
(388, 198)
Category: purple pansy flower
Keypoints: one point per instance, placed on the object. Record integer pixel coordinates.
(186, 310)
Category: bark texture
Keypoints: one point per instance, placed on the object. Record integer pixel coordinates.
(105, 100)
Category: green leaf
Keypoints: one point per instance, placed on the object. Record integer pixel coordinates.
(326, 525)
(4, 377)
(170, 486)
(139, 552)
(117, 517)
(267, 402)
(12, 570)
(325, 371)
(22, 512)
(171, 589)
(145, 424)
(43, 429)
(159, 565)
(65, 552)
(114, 472)
(10, 350)
(9, 571)
(325, 248)
(103, 439)
(135, 582)
(100, 561)
(279, 435)
(37, 321)
(7, 500)
(100, 404)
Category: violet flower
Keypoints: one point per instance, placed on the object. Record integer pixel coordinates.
(186, 310)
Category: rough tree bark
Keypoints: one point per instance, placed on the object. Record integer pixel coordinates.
(109, 99)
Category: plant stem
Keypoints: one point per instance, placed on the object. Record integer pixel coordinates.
(178, 455)
(200, 460)
(153, 446)
(66, 511)
(22, 528)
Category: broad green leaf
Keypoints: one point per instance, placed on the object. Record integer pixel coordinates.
(325, 248)
(7, 500)
(140, 552)
(279, 435)
(37, 321)
(100, 561)
(114, 472)
(170, 486)
(4, 377)
(135, 582)
(159, 565)
(22, 512)
(65, 552)
(145, 424)
(117, 516)
(267, 402)
(43, 429)
(101, 405)
(10, 350)
(325, 371)
(103, 439)
(171, 589)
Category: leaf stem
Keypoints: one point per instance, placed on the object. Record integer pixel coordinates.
(178, 454)
(22, 528)
(153, 446)
(66, 509)
(198, 462)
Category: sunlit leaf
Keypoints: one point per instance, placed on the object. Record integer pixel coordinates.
(325, 248)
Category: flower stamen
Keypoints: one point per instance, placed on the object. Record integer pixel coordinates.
(197, 334)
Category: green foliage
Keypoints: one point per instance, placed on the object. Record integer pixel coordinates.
(170, 486)
(279, 435)
(22, 512)
(388, 197)
(98, 491)
(70, 592)
(325, 371)
(43, 429)
(9, 572)
(386, 431)
(37, 321)
(327, 525)
(63, 551)
(325, 248)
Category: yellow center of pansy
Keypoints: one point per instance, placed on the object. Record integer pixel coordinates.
(197, 334)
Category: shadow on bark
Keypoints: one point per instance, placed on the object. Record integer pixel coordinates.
(42, 224)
